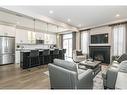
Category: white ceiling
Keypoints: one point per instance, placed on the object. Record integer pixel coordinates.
(87, 16)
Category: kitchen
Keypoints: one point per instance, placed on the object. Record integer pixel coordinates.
(27, 33)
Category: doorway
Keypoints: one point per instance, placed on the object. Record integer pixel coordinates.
(67, 44)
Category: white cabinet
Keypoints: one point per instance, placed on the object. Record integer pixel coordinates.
(52, 28)
(50, 39)
(46, 38)
(25, 36)
(31, 37)
(41, 25)
(39, 36)
(21, 36)
(7, 30)
(17, 57)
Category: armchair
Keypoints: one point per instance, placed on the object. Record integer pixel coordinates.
(78, 56)
(65, 75)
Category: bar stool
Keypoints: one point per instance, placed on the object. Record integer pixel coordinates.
(63, 56)
(33, 57)
(60, 54)
(55, 53)
(46, 55)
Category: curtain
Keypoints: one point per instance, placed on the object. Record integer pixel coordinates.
(119, 39)
(73, 40)
(85, 38)
(61, 40)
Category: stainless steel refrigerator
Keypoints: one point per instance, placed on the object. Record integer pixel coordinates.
(7, 50)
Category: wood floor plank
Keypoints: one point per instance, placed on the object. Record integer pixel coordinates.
(13, 77)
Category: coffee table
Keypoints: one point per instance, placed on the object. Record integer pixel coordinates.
(94, 65)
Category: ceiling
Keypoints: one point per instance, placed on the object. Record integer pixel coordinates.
(80, 16)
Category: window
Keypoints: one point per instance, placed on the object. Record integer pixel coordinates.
(85, 42)
(118, 40)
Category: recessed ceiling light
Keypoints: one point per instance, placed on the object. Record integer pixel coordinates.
(117, 15)
(69, 20)
(51, 11)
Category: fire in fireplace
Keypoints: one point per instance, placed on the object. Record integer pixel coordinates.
(99, 57)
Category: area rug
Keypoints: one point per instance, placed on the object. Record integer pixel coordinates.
(98, 81)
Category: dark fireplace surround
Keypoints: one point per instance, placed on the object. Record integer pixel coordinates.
(101, 53)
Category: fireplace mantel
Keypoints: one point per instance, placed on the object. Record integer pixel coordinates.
(99, 45)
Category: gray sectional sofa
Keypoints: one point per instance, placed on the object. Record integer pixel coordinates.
(110, 74)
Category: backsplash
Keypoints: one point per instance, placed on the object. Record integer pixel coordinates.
(32, 46)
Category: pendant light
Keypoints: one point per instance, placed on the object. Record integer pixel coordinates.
(33, 32)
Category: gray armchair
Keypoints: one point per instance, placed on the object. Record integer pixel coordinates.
(65, 75)
(110, 74)
(78, 56)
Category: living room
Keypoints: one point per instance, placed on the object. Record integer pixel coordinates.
(55, 47)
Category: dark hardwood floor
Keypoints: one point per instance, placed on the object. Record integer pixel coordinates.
(13, 77)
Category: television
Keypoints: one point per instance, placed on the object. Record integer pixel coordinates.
(99, 38)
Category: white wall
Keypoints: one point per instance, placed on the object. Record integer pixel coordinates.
(7, 30)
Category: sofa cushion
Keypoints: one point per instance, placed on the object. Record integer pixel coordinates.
(123, 66)
(79, 53)
(121, 82)
(65, 64)
(122, 58)
(81, 71)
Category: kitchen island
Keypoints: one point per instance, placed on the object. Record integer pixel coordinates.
(24, 58)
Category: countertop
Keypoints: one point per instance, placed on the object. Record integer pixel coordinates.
(28, 50)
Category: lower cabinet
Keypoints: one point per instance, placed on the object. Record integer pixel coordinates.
(17, 57)
(25, 61)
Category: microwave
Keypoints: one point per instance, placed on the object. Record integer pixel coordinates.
(39, 41)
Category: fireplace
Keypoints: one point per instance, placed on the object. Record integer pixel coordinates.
(100, 53)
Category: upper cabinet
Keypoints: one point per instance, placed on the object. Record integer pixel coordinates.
(50, 39)
(25, 22)
(29, 37)
(26, 29)
(52, 28)
(39, 36)
(40, 26)
(33, 37)
(7, 30)
(21, 36)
